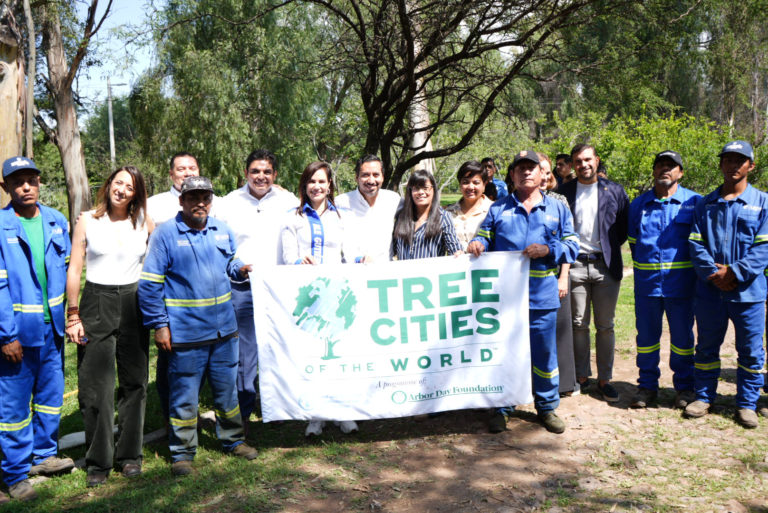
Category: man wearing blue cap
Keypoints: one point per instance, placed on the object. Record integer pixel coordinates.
(34, 253)
(659, 225)
(729, 252)
(185, 296)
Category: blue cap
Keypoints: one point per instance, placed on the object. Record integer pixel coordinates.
(14, 164)
(740, 147)
(671, 155)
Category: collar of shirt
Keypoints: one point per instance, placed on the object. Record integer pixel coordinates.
(175, 192)
(516, 203)
(247, 194)
(184, 228)
(307, 208)
(677, 197)
(748, 196)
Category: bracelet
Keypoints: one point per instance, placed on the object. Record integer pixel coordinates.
(73, 310)
(75, 323)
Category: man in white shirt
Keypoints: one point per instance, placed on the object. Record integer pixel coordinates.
(255, 214)
(164, 206)
(600, 210)
(373, 209)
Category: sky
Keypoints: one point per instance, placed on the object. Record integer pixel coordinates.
(120, 62)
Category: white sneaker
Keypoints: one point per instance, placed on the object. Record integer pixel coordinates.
(346, 426)
(315, 427)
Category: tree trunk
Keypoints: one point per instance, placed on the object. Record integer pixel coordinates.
(11, 87)
(67, 130)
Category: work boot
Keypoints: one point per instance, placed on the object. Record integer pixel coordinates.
(51, 466)
(498, 423)
(245, 451)
(763, 411)
(131, 470)
(747, 418)
(552, 422)
(181, 468)
(609, 393)
(683, 398)
(643, 398)
(22, 491)
(696, 409)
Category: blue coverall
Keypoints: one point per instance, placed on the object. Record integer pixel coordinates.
(29, 437)
(508, 227)
(732, 233)
(664, 282)
(185, 285)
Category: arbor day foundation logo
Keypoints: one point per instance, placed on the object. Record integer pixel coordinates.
(326, 308)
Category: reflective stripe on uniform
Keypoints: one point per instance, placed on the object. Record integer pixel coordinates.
(210, 301)
(3, 274)
(680, 351)
(229, 414)
(752, 371)
(18, 307)
(761, 238)
(15, 426)
(696, 237)
(56, 300)
(707, 366)
(533, 273)
(545, 375)
(485, 233)
(183, 423)
(631, 240)
(157, 278)
(51, 410)
(648, 349)
(648, 266)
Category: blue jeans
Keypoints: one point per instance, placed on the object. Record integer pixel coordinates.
(29, 437)
(649, 312)
(186, 368)
(712, 322)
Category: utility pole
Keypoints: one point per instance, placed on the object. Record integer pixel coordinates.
(111, 124)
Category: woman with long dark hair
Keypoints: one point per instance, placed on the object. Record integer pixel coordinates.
(422, 228)
(313, 235)
(112, 241)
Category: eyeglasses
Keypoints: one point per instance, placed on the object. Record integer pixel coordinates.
(426, 188)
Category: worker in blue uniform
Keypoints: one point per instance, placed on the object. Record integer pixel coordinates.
(542, 228)
(659, 225)
(34, 253)
(729, 254)
(185, 296)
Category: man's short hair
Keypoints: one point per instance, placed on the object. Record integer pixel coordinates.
(564, 156)
(581, 147)
(182, 154)
(262, 154)
(364, 160)
(489, 160)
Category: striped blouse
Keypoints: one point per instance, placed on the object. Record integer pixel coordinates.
(446, 242)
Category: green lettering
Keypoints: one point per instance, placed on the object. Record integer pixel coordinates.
(416, 289)
(422, 320)
(446, 289)
(399, 364)
(486, 318)
(459, 323)
(445, 359)
(479, 285)
(424, 362)
(375, 331)
(382, 286)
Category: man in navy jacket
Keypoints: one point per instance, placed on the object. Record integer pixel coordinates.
(600, 210)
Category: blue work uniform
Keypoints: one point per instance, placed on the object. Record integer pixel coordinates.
(185, 285)
(501, 188)
(508, 227)
(664, 282)
(37, 383)
(733, 233)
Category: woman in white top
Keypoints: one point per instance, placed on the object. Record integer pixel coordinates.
(314, 234)
(111, 240)
(470, 211)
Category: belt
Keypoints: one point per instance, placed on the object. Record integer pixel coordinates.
(589, 257)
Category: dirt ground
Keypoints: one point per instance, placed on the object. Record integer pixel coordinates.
(610, 458)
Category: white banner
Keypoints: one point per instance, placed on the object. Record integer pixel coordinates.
(359, 341)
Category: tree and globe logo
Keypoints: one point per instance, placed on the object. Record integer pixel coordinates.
(325, 307)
